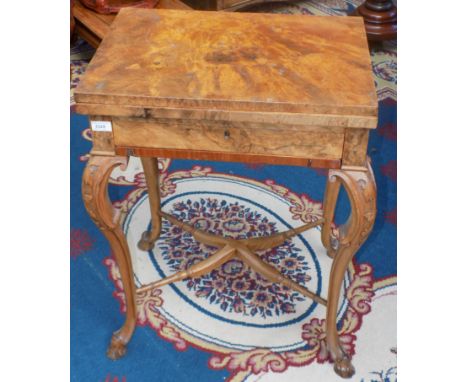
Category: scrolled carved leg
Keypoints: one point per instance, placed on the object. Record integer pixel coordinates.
(329, 204)
(97, 203)
(361, 190)
(148, 238)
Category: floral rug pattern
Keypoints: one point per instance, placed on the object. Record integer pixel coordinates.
(233, 286)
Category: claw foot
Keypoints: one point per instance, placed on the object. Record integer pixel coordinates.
(117, 348)
(145, 244)
(344, 368)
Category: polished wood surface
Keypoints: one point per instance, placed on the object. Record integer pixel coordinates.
(93, 26)
(325, 120)
(150, 168)
(195, 154)
(361, 190)
(230, 137)
(355, 148)
(95, 23)
(246, 87)
(232, 61)
(380, 19)
(226, 5)
(96, 200)
(114, 6)
(72, 22)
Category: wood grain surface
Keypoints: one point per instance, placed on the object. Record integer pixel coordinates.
(230, 61)
(223, 156)
(93, 26)
(114, 6)
(352, 121)
(355, 148)
(321, 143)
(225, 5)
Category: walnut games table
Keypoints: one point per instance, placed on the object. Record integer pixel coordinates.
(280, 89)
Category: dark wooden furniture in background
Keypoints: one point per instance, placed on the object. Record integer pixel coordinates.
(251, 87)
(114, 6)
(226, 5)
(72, 21)
(380, 18)
(92, 26)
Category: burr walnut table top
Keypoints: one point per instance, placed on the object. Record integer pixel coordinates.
(308, 67)
(282, 89)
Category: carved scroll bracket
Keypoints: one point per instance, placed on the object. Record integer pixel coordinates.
(94, 190)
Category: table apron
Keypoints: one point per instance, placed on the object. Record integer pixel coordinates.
(226, 157)
(233, 141)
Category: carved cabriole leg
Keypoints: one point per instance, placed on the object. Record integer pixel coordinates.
(329, 204)
(150, 167)
(99, 207)
(361, 190)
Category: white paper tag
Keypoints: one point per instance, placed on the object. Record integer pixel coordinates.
(101, 125)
